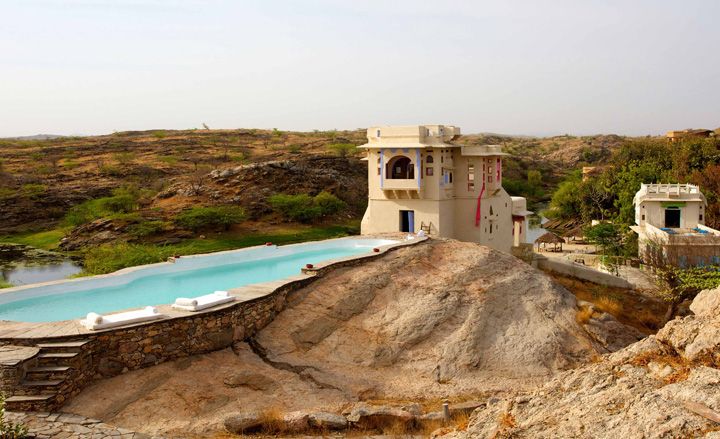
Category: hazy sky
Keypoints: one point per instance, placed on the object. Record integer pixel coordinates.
(522, 67)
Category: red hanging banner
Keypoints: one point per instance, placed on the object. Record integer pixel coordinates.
(478, 214)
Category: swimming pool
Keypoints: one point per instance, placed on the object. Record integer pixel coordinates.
(162, 283)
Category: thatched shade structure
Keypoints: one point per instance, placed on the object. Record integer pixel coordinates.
(550, 238)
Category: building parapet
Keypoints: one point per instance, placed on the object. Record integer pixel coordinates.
(668, 192)
(701, 235)
(409, 184)
(482, 150)
(411, 136)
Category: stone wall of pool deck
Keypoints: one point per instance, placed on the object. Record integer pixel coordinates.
(61, 358)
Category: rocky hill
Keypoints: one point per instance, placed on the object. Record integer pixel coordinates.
(665, 386)
(40, 180)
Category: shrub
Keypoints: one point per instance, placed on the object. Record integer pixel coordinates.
(161, 134)
(70, 164)
(33, 190)
(124, 200)
(168, 159)
(5, 284)
(329, 204)
(304, 208)
(43, 169)
(110, 170)
(9, 429)
(6, 192)
(148, 228)
(295, 207)
(343, 149)
(112, 257)
(199, 218)
(124, 158)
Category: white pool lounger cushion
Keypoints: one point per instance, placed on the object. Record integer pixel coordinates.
(94, 321)
(203, 302)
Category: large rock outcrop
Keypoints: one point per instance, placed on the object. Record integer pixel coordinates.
(445, 317)
(665, 386)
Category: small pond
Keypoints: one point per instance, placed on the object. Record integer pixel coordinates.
(535, 229)
(24, 274)
(23, 265)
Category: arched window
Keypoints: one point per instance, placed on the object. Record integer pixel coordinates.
(400, 167)
(429, 159)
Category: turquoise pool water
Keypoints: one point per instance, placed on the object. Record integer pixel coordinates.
(163, 283)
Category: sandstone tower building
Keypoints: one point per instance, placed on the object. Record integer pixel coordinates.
(418, 179)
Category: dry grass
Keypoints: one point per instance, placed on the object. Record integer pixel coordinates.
(633, 308)
(430, 404)
(272, 420)
(583, 315)
(680, 366)
(610, 305)
(507, 421)
(461, 421)
(273, 424)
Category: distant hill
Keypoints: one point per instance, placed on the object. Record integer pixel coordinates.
(36, 137)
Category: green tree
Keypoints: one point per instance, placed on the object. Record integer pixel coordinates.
(683, 284)
(609, 239)
(198, 218)
(534, 178)
(566, 202)
(304, 208)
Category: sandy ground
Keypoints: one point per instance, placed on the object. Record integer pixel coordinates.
(189, 396)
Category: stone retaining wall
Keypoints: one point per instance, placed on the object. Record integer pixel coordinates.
(116, 351)
(581, 272)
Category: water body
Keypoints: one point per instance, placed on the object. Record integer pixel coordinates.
(23, 265)
(162, 283)
(26, 274)
(535, 229)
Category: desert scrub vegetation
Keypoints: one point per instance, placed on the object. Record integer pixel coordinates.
(9, 429)
(199, 218)
(343, 149)
(6, 192)
(168, 159)
(144, 229)
(33, 190)
(629, 307)
(122, 201)
(112, 257)
(304, 208)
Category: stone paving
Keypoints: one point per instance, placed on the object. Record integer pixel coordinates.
(69, 426)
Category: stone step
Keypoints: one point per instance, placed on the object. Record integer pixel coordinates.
(39, 387)
(25, 403)
(42, 373)
(49, 369)
(56, 358)
(43, 383)
(63, 346)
